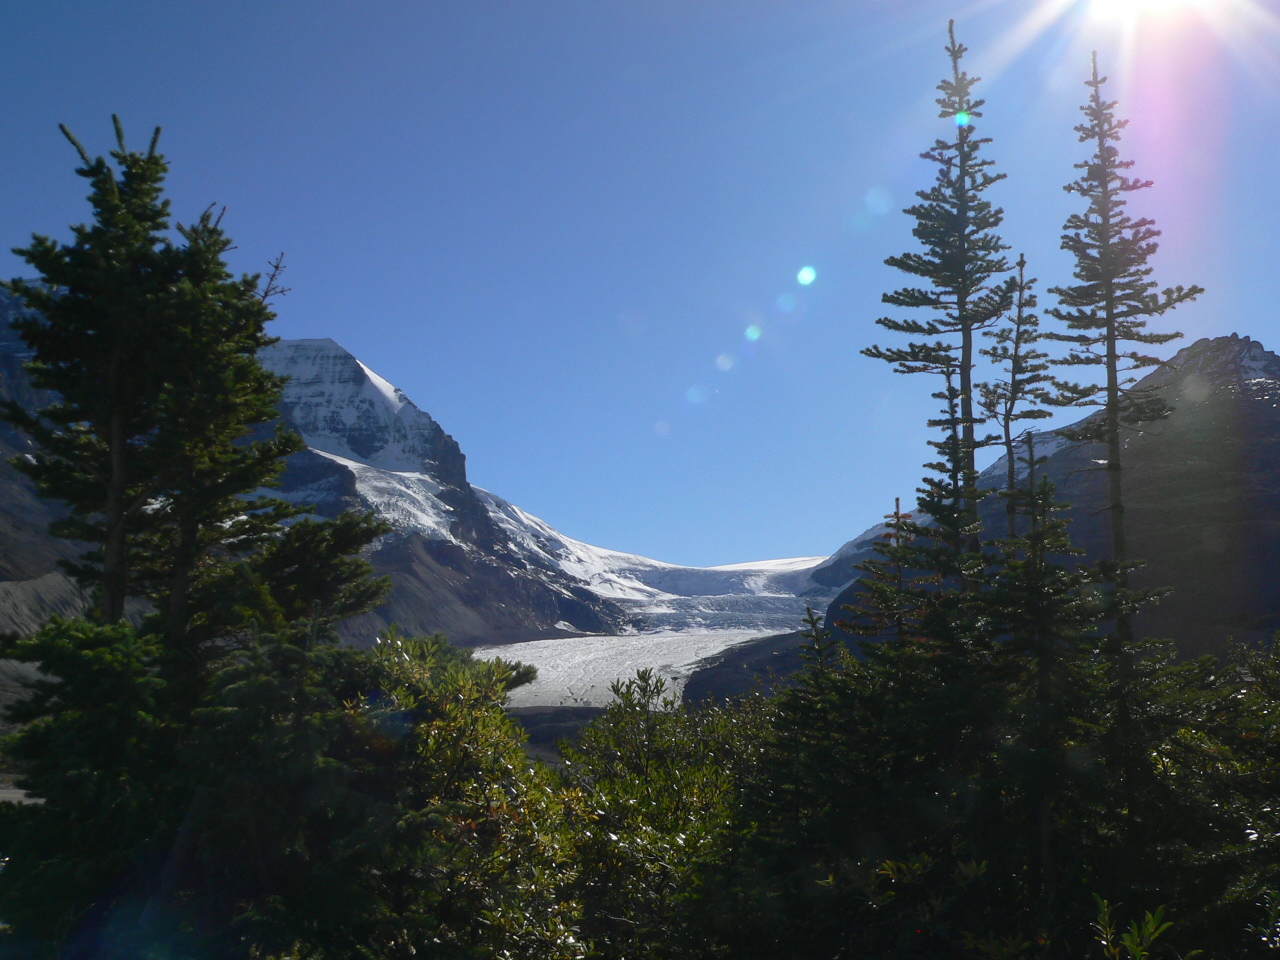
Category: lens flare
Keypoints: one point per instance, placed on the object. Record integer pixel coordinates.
(695, 395)
(725, 361)
(785, 303)
(806, 276)
(963, 119)
(878, 201)
(753, 333)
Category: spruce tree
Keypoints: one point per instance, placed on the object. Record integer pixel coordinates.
(150, 348)
(94, 330)
(1047, 617)
(205, 504)
(1107, 310)
(962, 257)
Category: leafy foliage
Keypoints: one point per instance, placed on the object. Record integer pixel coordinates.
(649, 790)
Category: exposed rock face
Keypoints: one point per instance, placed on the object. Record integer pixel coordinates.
(1202, 496)
(342, 407)
(453, 568)
(463, 560)
(27, 552)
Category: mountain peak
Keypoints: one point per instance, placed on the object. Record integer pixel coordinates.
(342, 407)
(1220, 360)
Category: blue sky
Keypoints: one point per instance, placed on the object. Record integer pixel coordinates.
(554, 223)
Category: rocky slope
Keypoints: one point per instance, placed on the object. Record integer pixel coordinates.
(463, 560)
(1202, 491)
(454, 568)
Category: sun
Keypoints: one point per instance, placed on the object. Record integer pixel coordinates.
(1249, 30)
(1140, 9)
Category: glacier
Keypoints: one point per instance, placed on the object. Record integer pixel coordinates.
(599, 614)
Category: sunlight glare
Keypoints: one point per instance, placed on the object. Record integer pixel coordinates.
(1136, 9)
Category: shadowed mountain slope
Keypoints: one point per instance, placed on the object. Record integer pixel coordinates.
(1202, 495)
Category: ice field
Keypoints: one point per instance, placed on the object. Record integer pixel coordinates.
(577, 671)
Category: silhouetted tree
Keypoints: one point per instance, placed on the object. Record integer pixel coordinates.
(1108, 308)
(963, 254)
(150, 347)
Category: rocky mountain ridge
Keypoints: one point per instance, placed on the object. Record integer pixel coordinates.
(1202, 497)
(463, 560)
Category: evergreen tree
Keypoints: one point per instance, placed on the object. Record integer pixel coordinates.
(887, 605)
(205, 507)
(1026, 384)
(1108, 308)
(1045, 611)
(94, 330)
(962, 256)
(315, 801)
(150, 348)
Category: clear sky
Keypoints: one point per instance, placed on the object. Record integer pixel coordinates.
(573, 231)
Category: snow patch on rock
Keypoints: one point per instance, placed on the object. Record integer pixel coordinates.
(405, 499)
(767, 596)
(341, 407)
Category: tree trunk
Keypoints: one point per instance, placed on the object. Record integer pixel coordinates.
(185, 557)
(1011, 478)
(114, 571)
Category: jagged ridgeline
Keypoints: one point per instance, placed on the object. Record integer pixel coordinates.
(1204, 511)
(1202, 492)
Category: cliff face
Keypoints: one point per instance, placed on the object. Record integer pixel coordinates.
(463, 561)
(1202, 494)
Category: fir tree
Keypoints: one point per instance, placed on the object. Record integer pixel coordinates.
(150, 348)
(887, 607)
(94, 330)
(1108, 308)
(205, 506)
(962, 256)
(1045, 611)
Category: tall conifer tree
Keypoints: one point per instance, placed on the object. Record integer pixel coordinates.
(1107, 311)
(962, 256)
(93, 330)
(150, 347)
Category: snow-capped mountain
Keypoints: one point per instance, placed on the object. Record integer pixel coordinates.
(767, 596)
(463, 561)
(370, 447)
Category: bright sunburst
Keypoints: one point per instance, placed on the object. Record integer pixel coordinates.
(1135, 9)
(1248, 28)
